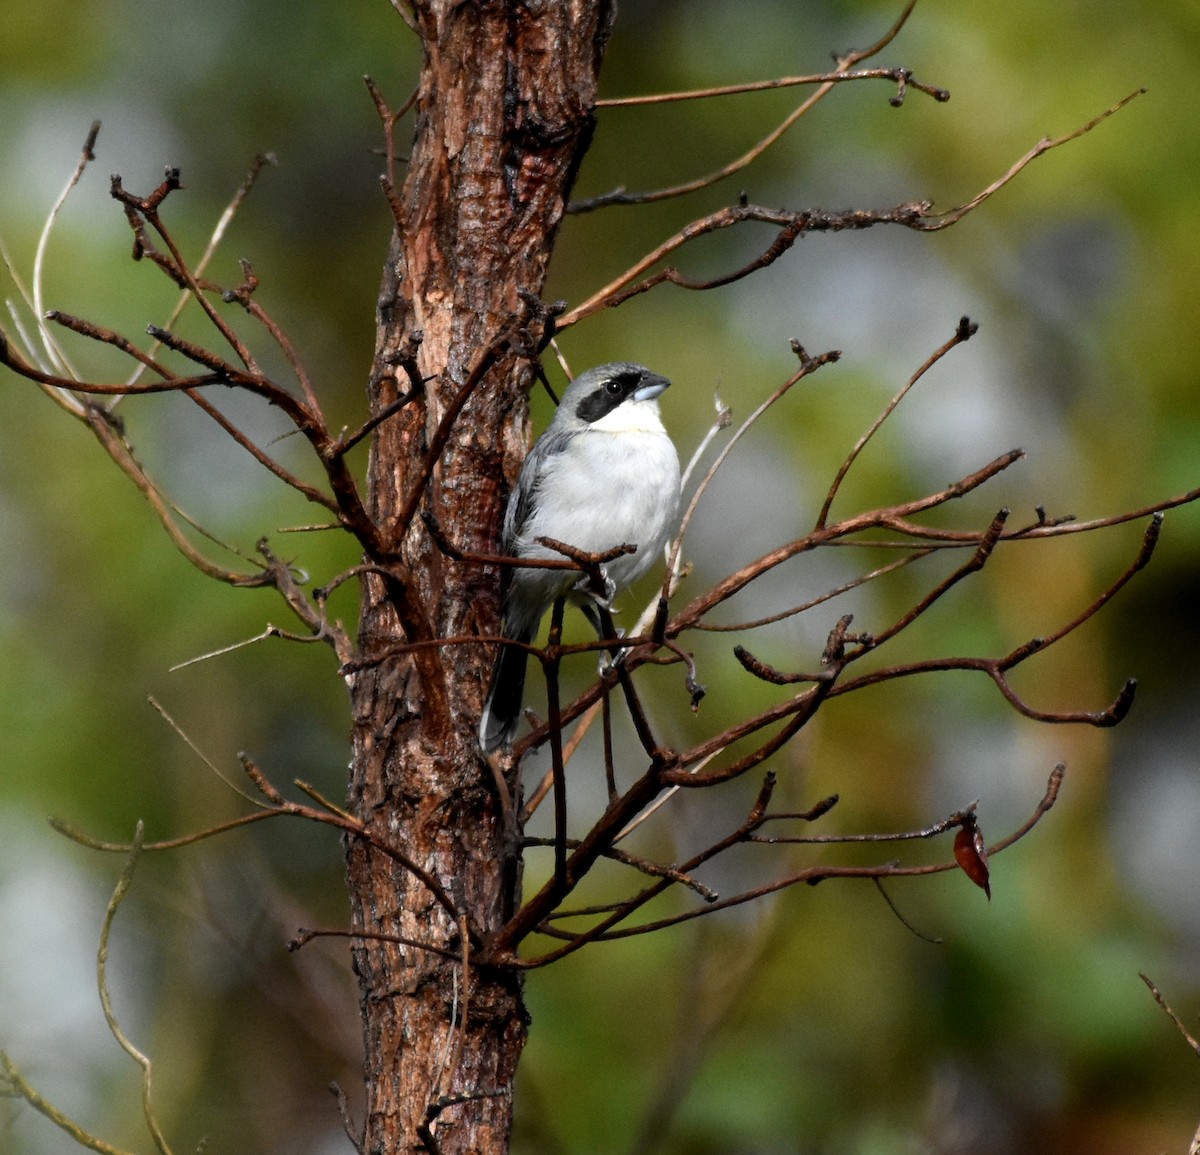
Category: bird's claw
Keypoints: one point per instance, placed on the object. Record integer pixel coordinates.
(609, 661)
(586, 588)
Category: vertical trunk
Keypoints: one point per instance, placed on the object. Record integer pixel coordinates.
(502, 120)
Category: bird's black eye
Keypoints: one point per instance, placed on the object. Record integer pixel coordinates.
(613, 387)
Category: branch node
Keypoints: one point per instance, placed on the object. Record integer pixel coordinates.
(807, 362)
(835, 645)
(903, 76)
(1149, 540)
(1121, 706)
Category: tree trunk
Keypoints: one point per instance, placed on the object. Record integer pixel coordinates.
(502, 121)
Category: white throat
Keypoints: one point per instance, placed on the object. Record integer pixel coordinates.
(631, 417)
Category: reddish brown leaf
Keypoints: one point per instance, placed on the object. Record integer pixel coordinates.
(971, 854)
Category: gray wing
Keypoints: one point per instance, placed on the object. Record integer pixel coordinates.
(524, 498)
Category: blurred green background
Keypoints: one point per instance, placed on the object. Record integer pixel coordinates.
(811, 1022)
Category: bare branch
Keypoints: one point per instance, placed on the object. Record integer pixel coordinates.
(936, 221)
(141, 211)
(1188, 1037)
(987, 544)
(222, 373)
(898, 76)
(389, 119)
(122, 888)
(811, 875)
(820, 599)
(791, 224)
(354, 1134)
(891, 517)
(242, 296)
(643, 865)
(53, 351)
(827, 82)
(808, 365)
(303, 937)
(218, 234)
(14, 1083)
(965, 331)
(551, 667)
(369, 426)
(795, 714)
(511, 932)
(327, 814)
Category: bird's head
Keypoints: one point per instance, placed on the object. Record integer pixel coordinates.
(615, 397)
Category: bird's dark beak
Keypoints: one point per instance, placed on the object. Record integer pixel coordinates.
(652, 385)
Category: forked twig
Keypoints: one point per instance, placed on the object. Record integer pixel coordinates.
(608, 930)
(261, 161)
(895, 75)
(827, 81)
(325, 812)
(965, 331)
(936, 221)
(792, 224)
(808, 366)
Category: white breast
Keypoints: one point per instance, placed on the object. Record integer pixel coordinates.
(616, 482)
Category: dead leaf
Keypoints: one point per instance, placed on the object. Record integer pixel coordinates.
(971, 854)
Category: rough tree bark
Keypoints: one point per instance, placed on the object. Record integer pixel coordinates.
(502, 120)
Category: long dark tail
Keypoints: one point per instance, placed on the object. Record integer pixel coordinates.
(502, 710)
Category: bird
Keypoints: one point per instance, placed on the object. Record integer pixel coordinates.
(605, 473)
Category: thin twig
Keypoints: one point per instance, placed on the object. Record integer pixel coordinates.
(1188, 1037)
(353, 1133)
(812, 875)
(820, 599)
(827, 82)
(260, 161)
(551, 667)
(936, 221)
(269, 631)
(808, 365)
(328, 814)
(53, 350)
(890, 517)
(965, 331)
(304, 936)
(895, 75)
(122, 888)
(144, 210)
(792, 224)
(14, 1083)
(187, 741)
(644, 865)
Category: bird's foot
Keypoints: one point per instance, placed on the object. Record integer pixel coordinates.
(609, 661)
(585, 587)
